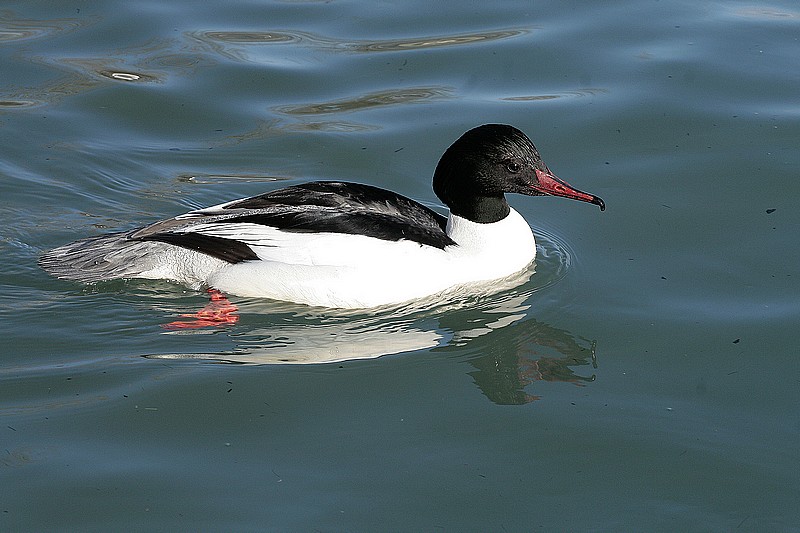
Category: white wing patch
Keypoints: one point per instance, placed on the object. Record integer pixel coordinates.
(313, 249)
(246, 232)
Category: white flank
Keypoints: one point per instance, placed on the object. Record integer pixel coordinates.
(354, 271)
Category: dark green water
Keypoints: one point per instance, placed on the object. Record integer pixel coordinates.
(646, 378)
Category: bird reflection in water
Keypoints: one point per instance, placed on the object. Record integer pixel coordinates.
(507, 348)
(539, 353)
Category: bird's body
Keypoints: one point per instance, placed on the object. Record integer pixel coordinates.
(339, 244)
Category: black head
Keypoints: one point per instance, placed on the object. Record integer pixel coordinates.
(486, 162)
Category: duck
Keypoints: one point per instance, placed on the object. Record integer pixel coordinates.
(339, 244)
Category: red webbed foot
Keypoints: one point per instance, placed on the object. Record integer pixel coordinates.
(218, 312)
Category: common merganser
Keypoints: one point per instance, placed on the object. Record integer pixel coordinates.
(343, 245)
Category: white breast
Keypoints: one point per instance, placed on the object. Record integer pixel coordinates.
(491, 251)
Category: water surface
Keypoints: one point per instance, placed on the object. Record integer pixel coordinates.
(644, 378)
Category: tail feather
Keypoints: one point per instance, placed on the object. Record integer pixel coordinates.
(105, 257)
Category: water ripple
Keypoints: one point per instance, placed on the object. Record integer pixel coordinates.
(15, 103)
(763, 13)
(408, 95)
(217, 40)
(254, 37)
(553, 260)
(578, 93)
(331, 126)
(85, 74)
(13, 29)
(125, 76)
(202, 178)
(433, 42)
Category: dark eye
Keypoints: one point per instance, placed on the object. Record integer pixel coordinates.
(513, 167)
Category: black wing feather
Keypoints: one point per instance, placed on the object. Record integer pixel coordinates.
(229, 250)
(330, 194)
(341, 207)
(320, 206)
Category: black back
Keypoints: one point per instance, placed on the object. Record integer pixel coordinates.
(320, 207)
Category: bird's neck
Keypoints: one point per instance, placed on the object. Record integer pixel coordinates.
(482, 209)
